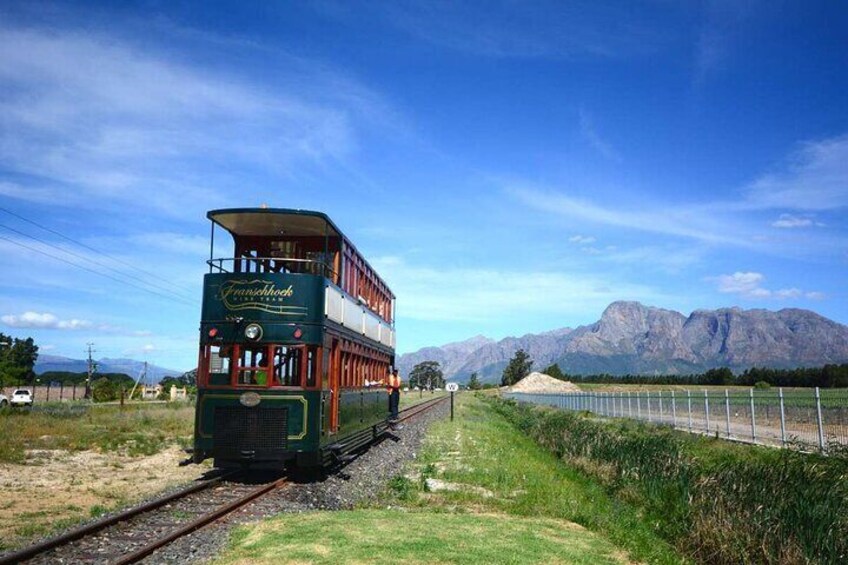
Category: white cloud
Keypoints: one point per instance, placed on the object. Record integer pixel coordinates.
(49, 321)
(92, 119)
(486, 295)
(143, 350)
(815, 178)
(581, 239)
(514, 29)
(789, 221)
(682, 222)
(594, 139)
(750, 285)
(739, 282)
(44, 320)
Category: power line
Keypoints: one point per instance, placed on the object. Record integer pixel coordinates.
(169, 297)
(81, 244)
(89, 259)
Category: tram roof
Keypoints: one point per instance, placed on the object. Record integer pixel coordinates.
(274, 221)
(266, 222)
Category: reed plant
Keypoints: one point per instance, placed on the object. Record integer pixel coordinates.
(716, 501)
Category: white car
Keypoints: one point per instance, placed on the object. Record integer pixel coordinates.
(21, 397)
(4, 402)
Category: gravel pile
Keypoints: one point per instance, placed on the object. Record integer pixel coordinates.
(540, 382)
(360, 480)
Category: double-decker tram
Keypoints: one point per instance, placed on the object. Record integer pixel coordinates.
(296, 335)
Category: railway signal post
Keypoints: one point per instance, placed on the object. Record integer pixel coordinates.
(452, 388)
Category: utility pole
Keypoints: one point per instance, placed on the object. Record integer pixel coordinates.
(92, 367)
(142, 378)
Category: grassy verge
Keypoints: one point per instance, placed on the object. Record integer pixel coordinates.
(133, 430)
(510, 501)
(719, 502)
(389, 537)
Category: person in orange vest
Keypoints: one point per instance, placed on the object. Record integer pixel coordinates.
(393, 388)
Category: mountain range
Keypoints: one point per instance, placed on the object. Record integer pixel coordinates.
(130, 367)
(637, 339)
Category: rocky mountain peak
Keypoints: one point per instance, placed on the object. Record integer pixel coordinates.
(630, 337)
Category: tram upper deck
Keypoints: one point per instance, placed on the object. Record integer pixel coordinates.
(292, 267)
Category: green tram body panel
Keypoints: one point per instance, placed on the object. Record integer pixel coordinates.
(358, 410)
(275, 301)
(280, 303)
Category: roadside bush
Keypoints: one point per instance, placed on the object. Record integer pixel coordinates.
(104, 390)
(719, 502)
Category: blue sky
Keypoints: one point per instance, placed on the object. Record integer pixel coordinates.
(507, 167)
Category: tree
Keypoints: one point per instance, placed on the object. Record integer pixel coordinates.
(190, 377)
(474, 382)
(187, 379)
(555, 372)
(427, 374)
(518, 368)
(719, 376)
(17, 360)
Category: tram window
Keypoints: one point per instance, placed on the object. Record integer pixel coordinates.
(310, 367)
(253, 366)
(219, 360)
(287, 363)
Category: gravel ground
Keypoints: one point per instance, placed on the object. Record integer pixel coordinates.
(360, 480)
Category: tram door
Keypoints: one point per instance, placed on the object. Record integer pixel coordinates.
(335, 382)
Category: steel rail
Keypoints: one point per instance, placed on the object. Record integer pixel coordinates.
(94, 527)
(215, 515)
(220, 512)
(422, 407)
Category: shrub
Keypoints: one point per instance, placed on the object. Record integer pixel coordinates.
(720, 502)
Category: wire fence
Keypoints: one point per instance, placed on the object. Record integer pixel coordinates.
(802, 419)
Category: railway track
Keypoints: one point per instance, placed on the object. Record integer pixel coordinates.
(136, 533)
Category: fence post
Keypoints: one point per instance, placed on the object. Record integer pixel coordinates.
(819, 419)
(753, 419)
(629, 404)
(782, 419)
(638, 405)
(706, 411)
(61, 391)
(689, 410)
(727, 411)
(673, 410)
(48, 392)
(659, 394)
(648, 395)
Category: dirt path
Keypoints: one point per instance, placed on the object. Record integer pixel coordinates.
(54, 489)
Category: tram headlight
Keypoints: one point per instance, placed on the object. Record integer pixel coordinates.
(253, 332)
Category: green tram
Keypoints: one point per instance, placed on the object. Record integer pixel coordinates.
(296, 337)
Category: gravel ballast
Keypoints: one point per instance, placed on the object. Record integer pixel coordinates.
(361, 480)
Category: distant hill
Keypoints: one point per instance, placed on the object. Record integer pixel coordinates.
(129, 367)
(633, 338)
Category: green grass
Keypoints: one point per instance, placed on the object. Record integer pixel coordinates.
(134, 430)
(483, 450)
(719, 502)
(390, 537)
(516, 503)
